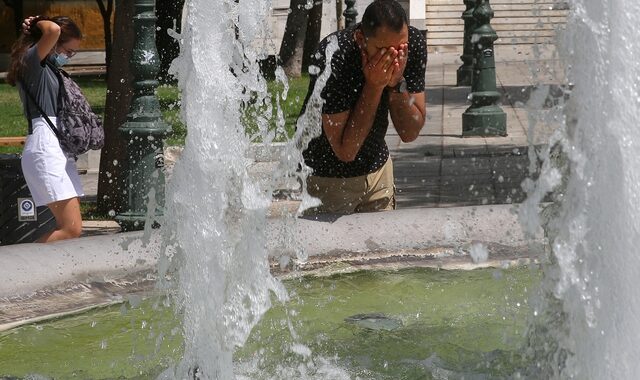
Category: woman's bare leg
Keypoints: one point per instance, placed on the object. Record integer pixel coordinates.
(68, 220)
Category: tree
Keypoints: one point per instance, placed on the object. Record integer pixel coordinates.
(18, 13)
(301, 35)
(112, 180)
(113, 159)
(106, 11)
(312, 37)
(169, 13)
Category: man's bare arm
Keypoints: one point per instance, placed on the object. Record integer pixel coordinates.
(346, 131)
(408, 113)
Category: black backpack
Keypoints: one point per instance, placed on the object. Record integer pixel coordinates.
(80, 130)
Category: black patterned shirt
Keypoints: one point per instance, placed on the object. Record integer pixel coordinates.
(341, 93)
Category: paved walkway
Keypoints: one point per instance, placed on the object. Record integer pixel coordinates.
(443, 169)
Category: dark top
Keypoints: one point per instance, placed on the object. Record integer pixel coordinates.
(341, 93)
(40, 80)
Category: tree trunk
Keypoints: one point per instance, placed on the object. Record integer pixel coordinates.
(106, 12)
(312, 37)
(18, 13)
(292, 47)
(113, 160)
(169, 13)
(339, 17)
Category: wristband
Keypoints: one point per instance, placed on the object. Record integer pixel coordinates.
(400, 87)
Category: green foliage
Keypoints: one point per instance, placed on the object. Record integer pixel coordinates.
(261, 117)
(12, 121)
(169, 98)
(89, 211)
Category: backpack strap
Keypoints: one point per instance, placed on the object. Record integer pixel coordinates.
(44, 114)
(58, 72)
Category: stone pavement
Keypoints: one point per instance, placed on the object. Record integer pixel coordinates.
(443, 169)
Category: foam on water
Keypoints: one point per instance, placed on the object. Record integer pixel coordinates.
(478, 252)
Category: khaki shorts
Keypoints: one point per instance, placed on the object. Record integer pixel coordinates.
(371, 192)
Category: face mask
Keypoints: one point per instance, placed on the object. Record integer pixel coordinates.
(61, 59)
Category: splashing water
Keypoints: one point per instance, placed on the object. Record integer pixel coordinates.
(224, 280)
(595, 231)
(216, 213)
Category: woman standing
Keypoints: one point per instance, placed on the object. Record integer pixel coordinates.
(50, 173)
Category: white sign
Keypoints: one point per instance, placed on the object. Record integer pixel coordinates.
(27, 210)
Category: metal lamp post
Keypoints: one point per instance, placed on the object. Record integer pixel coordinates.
(144, 128)
(465, 71)
(484, 117)
(350, 13)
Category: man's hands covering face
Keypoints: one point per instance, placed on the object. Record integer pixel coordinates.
(386, 67)
(398, 72)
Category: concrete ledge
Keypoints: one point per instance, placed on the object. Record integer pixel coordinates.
(28, 268)
(68, 276)
(408, 229)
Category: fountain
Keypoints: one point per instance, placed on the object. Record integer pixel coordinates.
(594, 230)
(213, 204)
(237, 319)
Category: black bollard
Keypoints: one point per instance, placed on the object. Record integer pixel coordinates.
(465, 72)
(350, 13)
(144, 129)
(484, 117)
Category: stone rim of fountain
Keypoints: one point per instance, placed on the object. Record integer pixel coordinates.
(45, 281)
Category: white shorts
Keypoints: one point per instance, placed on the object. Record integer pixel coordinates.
(50, 175)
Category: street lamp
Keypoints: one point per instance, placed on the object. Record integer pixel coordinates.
(350, 13)
(465, 71)
(144, 129)
(484, 117)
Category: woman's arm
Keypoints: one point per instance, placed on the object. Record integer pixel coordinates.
(50, 34)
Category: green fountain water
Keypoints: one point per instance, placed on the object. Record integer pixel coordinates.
(452, 322)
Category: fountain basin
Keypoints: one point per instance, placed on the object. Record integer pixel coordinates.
(42, 281)
(386, 324)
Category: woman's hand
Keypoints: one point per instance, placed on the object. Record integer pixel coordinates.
(379, 70)
(26, 24)
(30, 22)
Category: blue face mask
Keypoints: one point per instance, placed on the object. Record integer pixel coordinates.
(60, 59)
